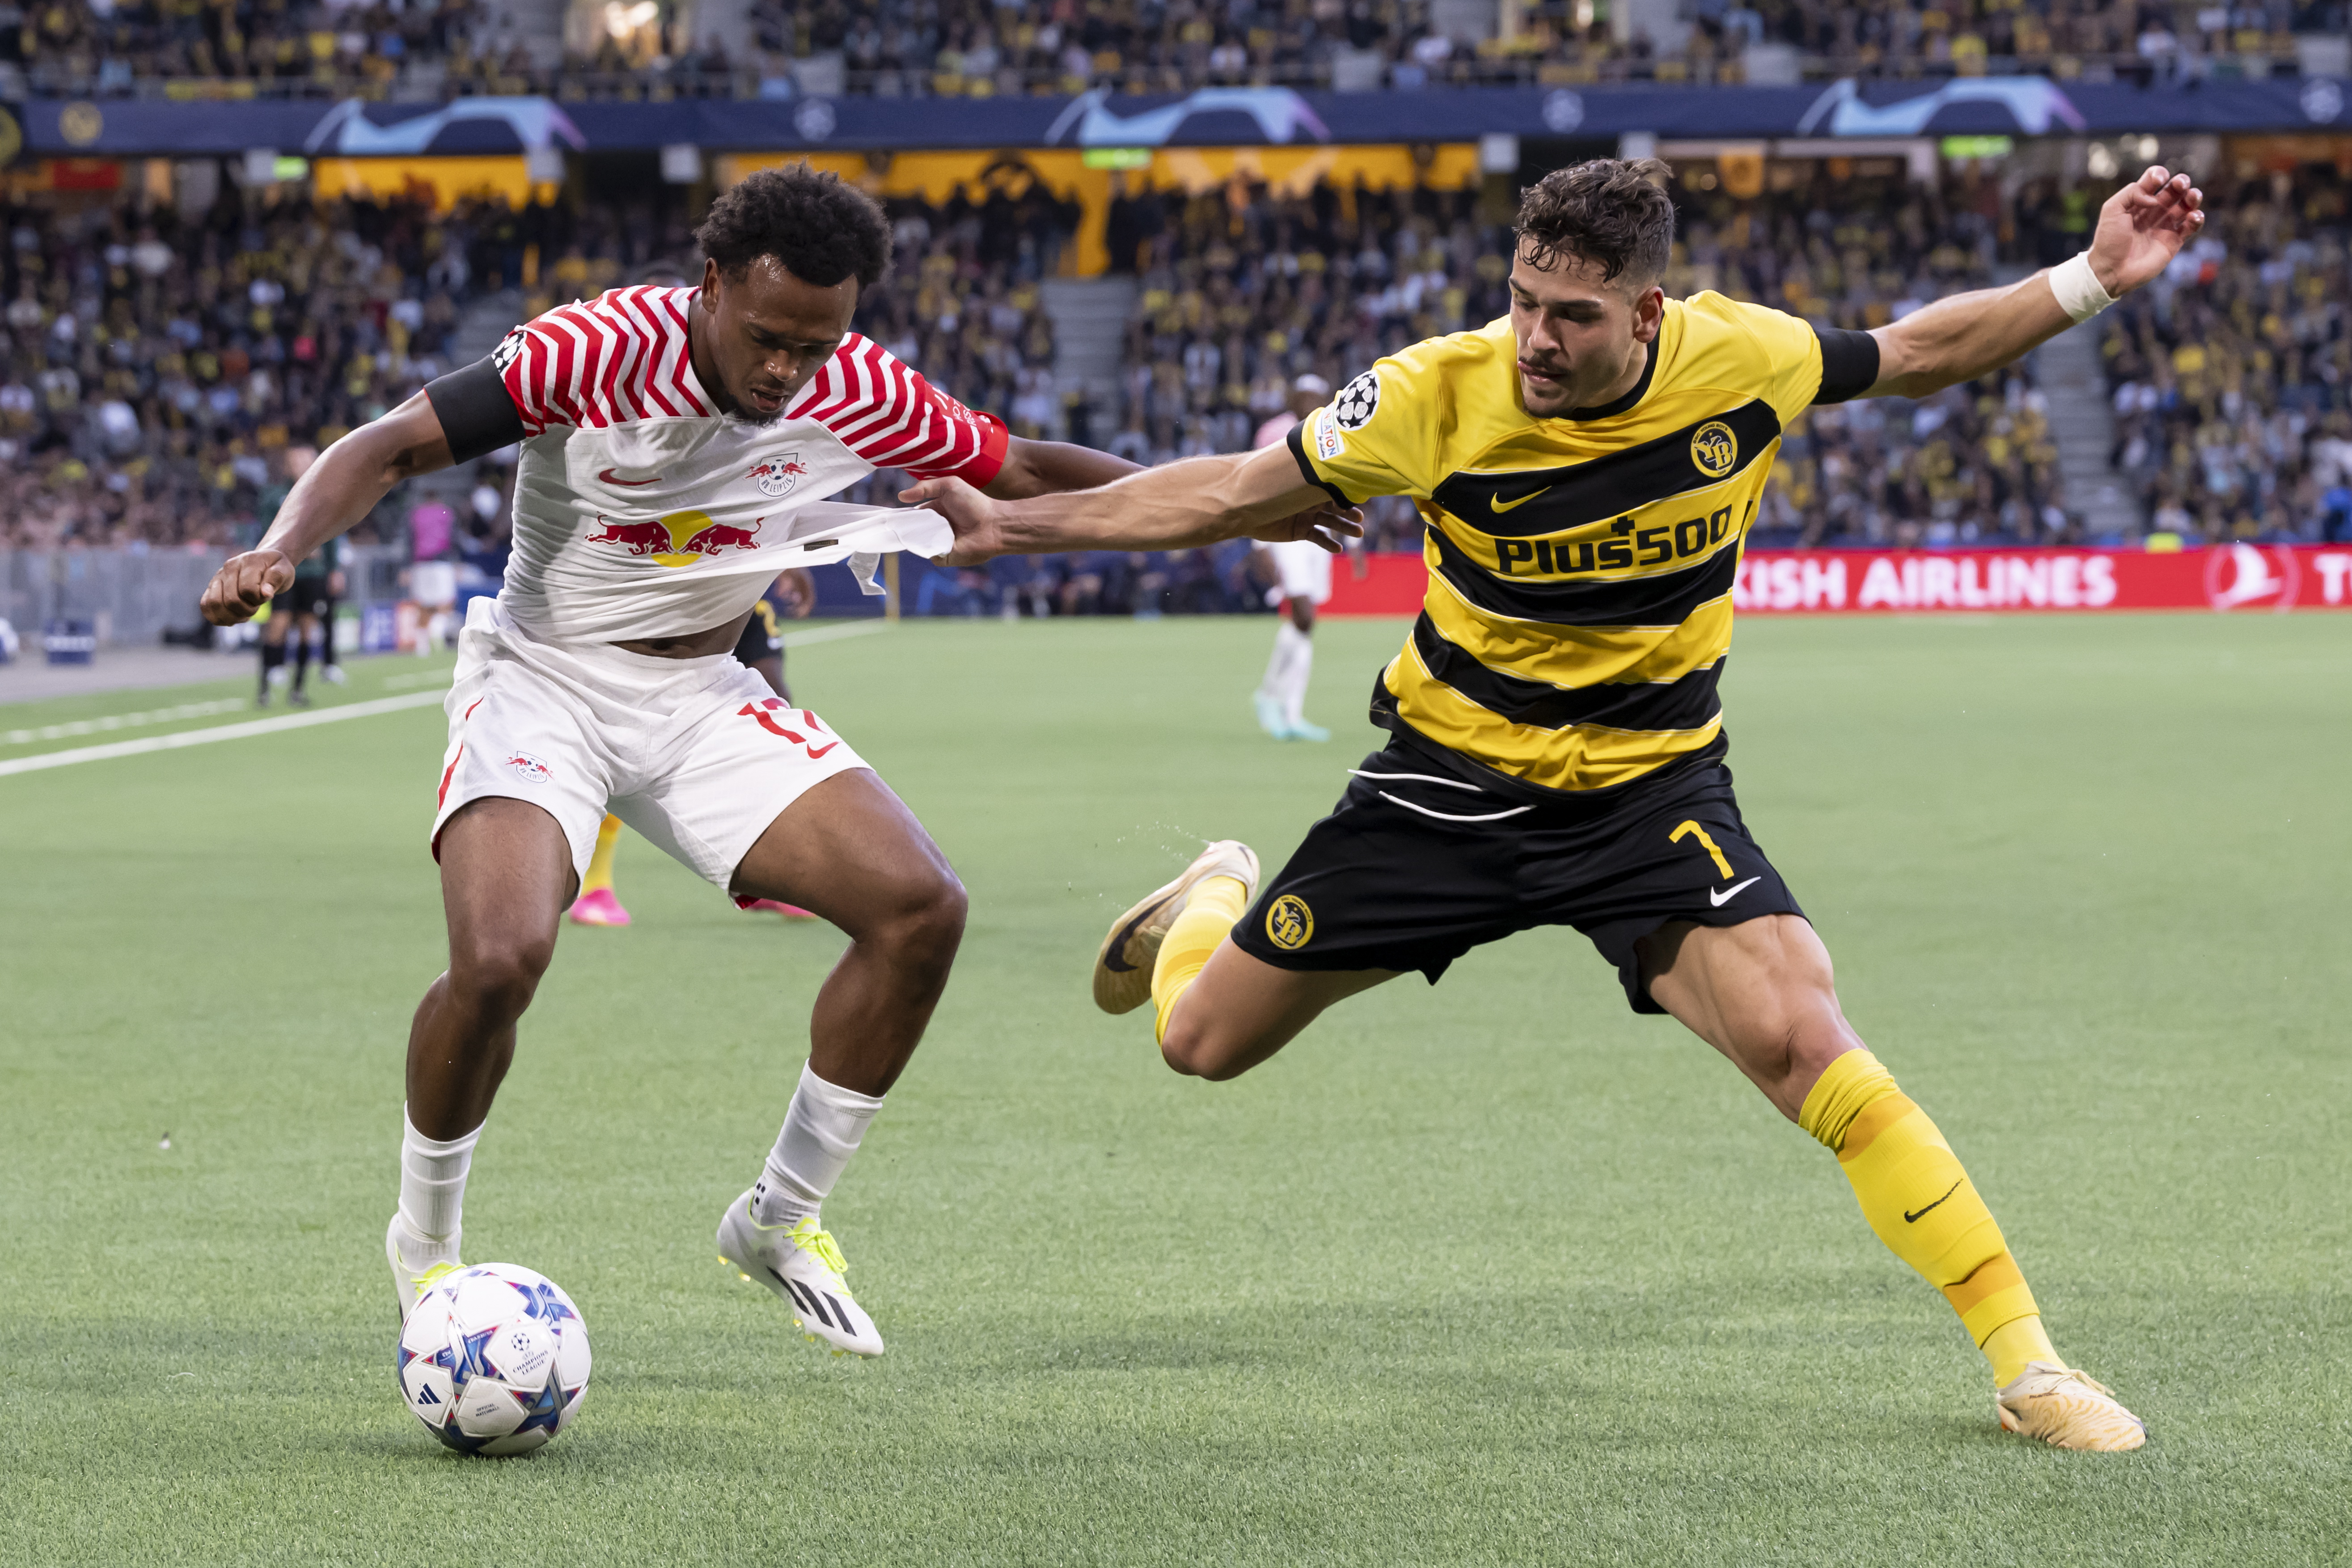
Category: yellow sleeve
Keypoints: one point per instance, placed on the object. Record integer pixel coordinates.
(1792, 356)
(1377, 436)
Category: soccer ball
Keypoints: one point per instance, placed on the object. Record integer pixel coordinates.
(494, 1360)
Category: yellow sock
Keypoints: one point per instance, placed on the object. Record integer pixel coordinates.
(1924, 1207)
(600, 864)
(1214, 904)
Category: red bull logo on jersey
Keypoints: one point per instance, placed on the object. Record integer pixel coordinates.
(680, 539)
(777, 476)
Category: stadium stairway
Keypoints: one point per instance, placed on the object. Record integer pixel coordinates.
(480, 328)
(1090, 317)
(2082, 423)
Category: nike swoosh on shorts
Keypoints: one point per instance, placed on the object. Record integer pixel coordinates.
(1725, 897)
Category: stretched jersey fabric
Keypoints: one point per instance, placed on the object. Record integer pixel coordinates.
(1579, 609)
(640, 511)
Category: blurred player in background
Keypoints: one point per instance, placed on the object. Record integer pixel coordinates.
(761, 649)
(305, 610)
(303, 618)
(1590, 465)
(1301, 571)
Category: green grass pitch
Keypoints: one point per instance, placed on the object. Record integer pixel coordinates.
(1490, 1273)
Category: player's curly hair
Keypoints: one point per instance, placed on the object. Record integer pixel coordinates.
(820, 229)
(1613, 213)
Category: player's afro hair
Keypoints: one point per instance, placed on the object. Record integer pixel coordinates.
(820, 229)
(1613, 213)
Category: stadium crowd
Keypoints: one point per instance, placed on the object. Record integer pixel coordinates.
(156, 371)
(2232, 375)
(994, 48)
(161, 374)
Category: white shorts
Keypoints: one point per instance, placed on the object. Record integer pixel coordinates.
(1305, 570)
(698, 754)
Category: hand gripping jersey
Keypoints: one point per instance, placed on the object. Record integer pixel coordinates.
(1579, 568)
(640, 511)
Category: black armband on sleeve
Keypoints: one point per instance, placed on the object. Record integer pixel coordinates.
(1849, 363)
(476, 413)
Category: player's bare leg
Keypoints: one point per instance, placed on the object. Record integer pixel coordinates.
(1763, 994)
(506, 877)
(851, 851)
(1240, 1010)
(506, 874)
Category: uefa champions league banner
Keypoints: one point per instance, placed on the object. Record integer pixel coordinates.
(1210, 117)
(2246, 578)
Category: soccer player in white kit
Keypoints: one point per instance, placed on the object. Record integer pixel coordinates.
(666, 433)
(1302, 573)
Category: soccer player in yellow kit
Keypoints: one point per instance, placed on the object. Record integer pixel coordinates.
(1589, 468)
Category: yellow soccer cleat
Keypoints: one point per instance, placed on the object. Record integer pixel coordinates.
(2066, 1409)
(1123, 966)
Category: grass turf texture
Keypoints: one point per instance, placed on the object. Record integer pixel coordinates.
(1492, 1272)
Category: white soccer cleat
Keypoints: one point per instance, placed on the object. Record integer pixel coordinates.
(804, 1266)
(417, 1265)
(2066, 1409)
(1122, 978)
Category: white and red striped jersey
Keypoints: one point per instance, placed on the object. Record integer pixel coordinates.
(640, 511)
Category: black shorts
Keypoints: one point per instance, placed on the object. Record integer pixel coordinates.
(304, 596)
(1418, 864)
(758, 642)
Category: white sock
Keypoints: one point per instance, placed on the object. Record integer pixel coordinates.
(1277, 667)
(821, 1132)
(433, 1186)
(1292, 694)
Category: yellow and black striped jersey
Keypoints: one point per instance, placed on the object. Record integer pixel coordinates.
(1579, 567)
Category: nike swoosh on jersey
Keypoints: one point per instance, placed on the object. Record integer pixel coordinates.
(1499, 504)
(610, 478)
(1725, 897)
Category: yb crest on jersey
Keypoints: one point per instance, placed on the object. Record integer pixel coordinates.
(1714, 449)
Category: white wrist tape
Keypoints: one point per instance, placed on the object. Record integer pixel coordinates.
(2080, 293)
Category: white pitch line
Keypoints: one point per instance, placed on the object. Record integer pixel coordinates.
(120, 722)
(320, 716)
(219, 732)
(834, 634)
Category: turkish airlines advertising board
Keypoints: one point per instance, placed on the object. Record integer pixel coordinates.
(2247, 578)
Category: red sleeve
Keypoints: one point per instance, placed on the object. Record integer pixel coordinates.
(540, 363)
(884, 410)
(617, 357)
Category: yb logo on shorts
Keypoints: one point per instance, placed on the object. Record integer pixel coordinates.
(1289, 923)
(680, 539)
(1714, 449)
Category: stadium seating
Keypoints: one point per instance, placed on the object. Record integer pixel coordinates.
(155, 370)
(2230, 376)
(977, 48)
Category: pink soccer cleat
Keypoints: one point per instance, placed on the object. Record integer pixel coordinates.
(770, 906)
(599, 908)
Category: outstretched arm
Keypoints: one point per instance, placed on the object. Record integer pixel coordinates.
(333, 494)
(1044, 468)
(1201, 500)
(2141, 228)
